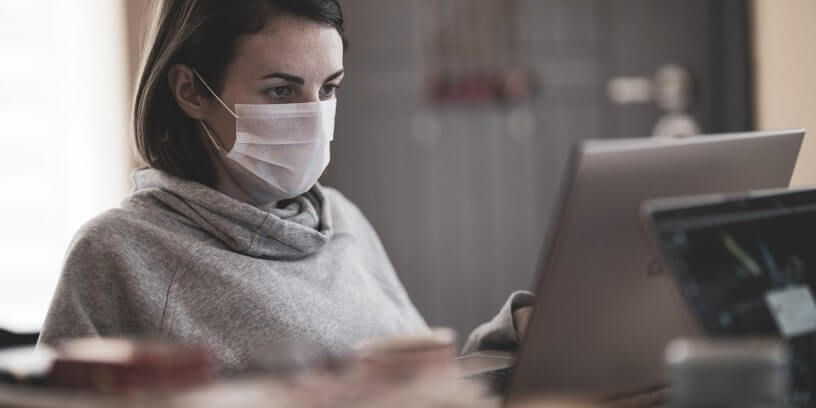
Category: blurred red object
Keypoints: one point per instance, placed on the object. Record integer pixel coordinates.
(482, 88)
(119, 365)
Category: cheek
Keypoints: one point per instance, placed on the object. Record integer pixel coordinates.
(222, 123)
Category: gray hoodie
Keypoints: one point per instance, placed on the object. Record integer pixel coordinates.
(184, 262)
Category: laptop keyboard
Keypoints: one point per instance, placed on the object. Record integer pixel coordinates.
(497, 380)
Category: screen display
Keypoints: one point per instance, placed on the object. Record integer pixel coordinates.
(749, 269)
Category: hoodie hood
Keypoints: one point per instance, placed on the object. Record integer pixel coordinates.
(301, 227)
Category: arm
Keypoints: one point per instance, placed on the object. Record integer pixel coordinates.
(503, 331)
(105, 288)
(70, 313)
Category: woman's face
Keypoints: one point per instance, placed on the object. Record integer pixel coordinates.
(292, 60)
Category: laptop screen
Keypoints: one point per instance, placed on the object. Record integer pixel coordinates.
(748, 267)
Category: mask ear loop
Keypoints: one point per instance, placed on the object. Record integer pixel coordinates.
(195, 71)
(203, 124)
(212, 138)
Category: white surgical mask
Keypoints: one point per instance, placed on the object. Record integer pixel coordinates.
(280, 149)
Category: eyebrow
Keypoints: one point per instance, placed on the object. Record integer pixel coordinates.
(298, 80)
(335, 75)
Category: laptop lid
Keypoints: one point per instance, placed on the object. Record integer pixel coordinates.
(604, 310)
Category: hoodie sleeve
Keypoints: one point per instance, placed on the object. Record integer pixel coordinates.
(499, 333)
(70, 314)
(103, 289)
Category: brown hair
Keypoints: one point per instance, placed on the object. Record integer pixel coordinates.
(201, 34)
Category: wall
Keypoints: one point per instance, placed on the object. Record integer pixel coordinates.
(785, 72)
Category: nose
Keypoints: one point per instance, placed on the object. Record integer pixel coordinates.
(310, 94)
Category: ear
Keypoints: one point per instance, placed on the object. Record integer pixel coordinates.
(182, 84)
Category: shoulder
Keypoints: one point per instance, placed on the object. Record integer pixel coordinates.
(348, 219)
(345, 214)
(339, 202)
(116, 236)
(102, 236)
(112, 224)
(120, 228)
(112, 280)
(138, 221)
(96, 257)
(119, 249)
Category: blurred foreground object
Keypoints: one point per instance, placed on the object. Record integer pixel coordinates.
(405, 356)
(118, 365)
(406, 371)
(289, 359)
(439, 390)
(26, 365)
(731, 373)
(402, 371)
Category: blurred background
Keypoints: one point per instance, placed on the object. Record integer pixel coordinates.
(453, 133)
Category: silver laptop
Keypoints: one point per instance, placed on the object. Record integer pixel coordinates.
(604, 311)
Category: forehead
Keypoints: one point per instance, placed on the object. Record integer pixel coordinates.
(292, 45)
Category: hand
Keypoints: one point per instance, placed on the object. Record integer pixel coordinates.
(521, 319)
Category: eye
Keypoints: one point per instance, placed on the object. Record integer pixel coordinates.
(280, 92)
(328, 91)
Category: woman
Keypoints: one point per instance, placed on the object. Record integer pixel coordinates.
(227, 238)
